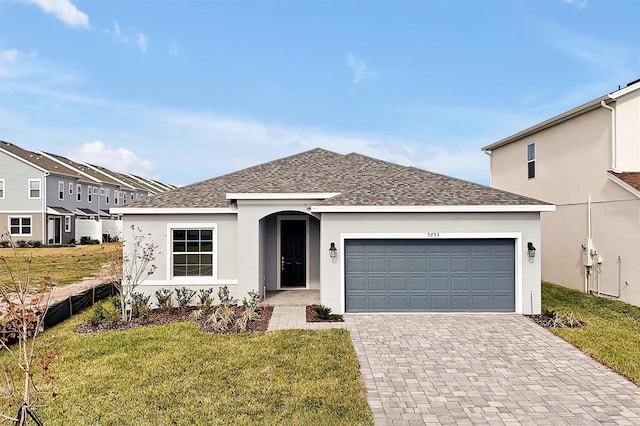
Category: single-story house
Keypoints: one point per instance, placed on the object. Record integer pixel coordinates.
(370, 235)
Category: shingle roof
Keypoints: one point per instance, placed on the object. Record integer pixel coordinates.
(630, 178)
(360, 180)
(84, 169)
(42, 162)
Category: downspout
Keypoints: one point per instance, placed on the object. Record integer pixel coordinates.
(491, 169)
(613, 134)
(45, 235)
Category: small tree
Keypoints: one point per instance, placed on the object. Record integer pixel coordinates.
(21, 320)
(133, 265)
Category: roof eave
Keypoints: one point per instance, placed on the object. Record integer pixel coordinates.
(519, 208)
(582, 109)
(172, 210)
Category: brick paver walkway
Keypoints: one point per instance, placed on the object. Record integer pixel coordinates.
(286, 317)
(483, 369)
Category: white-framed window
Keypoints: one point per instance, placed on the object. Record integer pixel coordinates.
(132, 196)
(20, 225)
(1, 189)
(531, 160)
(70, 188)
(67, 224)
(60, 190)
(106, 195)
(95, 190)
(116, 195)
(89, 193)
(193, 250)
(102, 191)
(34, 188)
(78, 193)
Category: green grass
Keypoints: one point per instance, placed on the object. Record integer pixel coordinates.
(177, 375)
(612, 334)
(65, 265)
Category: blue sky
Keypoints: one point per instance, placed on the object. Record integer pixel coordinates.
(186, 90)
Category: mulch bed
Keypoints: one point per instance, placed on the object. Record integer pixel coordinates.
(312, 316)
(158, 317)
(541, 320)
(548, 322)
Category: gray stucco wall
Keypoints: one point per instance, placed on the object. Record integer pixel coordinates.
(336, 227)
(226, 250)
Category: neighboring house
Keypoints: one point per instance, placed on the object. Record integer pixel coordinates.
(49, 198)
(370, 235)
(585, 161)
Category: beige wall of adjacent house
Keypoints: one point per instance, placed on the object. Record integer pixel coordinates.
(572, 160)
(628, 132)
(615, 227)
(335, 226)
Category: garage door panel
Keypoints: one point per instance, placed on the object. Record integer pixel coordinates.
(439, 265)
(460, 264)
(398, 302)
(460, 302)
(420, 283)
(442, 283)
(462, 283)
(398, 283)
(377, 265)
(356, 265)
(429, 275)
(398, 265)
(378, 283)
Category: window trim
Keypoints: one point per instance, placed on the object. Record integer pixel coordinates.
(89, 194)
(106, 196)
(531, 161)
(169, 257)
(79, 193)
(39, 189)
(60, 190)
(20, 226)
(67, 224)
(2, 189)
(116, 194)
(70, 188)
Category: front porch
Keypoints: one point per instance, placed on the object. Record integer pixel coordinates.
(293, 297)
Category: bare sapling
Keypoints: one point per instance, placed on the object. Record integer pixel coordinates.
(131, 266)
(26, 377)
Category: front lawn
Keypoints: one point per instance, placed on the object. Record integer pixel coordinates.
(178, 375)
(65, 265)
(612, 334)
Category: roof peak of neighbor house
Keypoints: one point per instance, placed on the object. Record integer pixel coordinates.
(567, 115)
(356, 178)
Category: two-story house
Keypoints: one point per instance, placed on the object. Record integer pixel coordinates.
(586, 161)
(49, 198)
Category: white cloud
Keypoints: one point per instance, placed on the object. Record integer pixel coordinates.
(360, 70)
(142, 42)
(65, 11)
(119, 159)
(11, 55)
(127, 35)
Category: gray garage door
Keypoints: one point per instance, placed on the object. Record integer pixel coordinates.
(429, 275)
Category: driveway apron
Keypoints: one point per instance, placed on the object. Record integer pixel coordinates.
(483, 369)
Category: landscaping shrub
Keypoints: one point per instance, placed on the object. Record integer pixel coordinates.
(184, 296)
(225, 298)
(205, 301)
(163, 299)
(140, 305)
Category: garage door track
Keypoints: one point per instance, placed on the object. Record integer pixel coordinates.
(483, 369)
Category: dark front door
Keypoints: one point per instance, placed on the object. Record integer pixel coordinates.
(57, 227)
(293, 252)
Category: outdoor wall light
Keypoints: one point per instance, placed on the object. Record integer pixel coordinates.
(531, 249)
(333, 250)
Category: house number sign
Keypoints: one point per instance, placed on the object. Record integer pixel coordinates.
(433, 234)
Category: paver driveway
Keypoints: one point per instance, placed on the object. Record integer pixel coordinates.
(483, 369)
